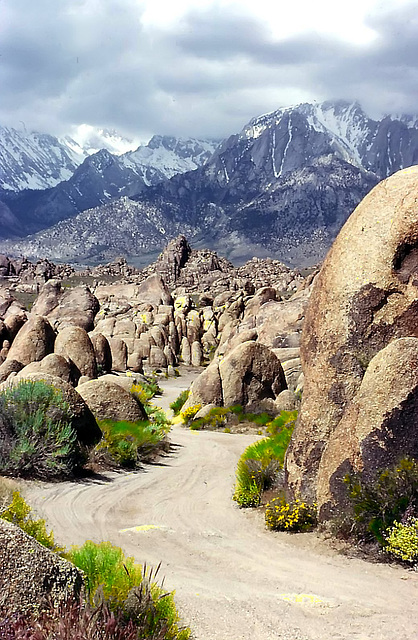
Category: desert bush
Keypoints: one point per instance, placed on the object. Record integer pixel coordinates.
(72, 619)
(283, 424)
(178, 403)
(402, 540)
(42, 441)
(188, 414)
(215, 419)
(20, 513)
(256, 471)
(126, 443)
(126, 586)
(144, 391)
(378, 503)
(290, 516)
(259, 465)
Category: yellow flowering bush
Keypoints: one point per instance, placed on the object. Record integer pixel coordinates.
(402, 540)
(188, 414)
(290, 516)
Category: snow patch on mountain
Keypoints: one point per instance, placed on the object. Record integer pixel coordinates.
(36, 160)
(165, 156)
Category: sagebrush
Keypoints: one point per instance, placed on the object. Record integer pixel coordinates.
(39, 439)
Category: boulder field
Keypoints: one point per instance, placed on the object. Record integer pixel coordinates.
(249, 338)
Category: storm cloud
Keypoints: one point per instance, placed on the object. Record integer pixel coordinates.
(204, 74)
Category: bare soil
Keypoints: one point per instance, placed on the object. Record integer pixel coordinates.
(233, 578)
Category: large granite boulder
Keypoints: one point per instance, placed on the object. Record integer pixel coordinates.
(109, 401)
(52, 364)
(250, 374)
(74, 344)
(31, 575)
(154, 290)
(364, 299)
(102, 351)
(76, 306)
(33, 342)
(378, 428)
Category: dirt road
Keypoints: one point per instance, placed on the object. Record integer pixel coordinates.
(234, 580)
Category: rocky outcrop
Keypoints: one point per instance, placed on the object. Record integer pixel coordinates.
(109, 401)
(32, 576)
(250, 375)
(358, 338)
(34, 341)
(76, 306)
(74, 344)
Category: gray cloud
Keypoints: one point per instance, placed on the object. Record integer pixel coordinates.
(64, 64)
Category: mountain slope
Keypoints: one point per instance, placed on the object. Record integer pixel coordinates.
(36, 160)
(283, 186)
(100, 178)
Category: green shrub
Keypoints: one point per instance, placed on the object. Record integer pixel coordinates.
(402, 540)
(126, 443)
(283, 423)
(178, 403)
(126, 586)
(42, 441)
(216, 418)
(377, 504)
(19, 513)
(290, 516)
(258, 466)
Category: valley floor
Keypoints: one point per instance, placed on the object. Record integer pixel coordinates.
(234, 579)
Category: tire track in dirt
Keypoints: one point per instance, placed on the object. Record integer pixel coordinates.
(234, 580)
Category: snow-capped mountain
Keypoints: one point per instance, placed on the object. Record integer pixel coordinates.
(165, 156)
(285, 185)
(381, 146)
(36, 160)
(100, 178)
(93, 139)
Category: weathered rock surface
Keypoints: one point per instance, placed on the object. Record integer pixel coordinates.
(69, 307)
(364, 299)
(154, 290)
(250, 374)
(379, 427)
(31, 574)
(53, 364)
(9, 366)
(109, 401)
(34, 341)
(102, 351)
(74, 344)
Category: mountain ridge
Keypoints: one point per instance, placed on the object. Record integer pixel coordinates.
(283, 185)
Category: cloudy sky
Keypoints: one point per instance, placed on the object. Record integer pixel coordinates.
(199, 67)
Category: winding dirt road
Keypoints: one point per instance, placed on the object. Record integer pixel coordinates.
(234, 580)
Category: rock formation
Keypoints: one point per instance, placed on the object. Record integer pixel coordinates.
(359, 352)
(31, 575)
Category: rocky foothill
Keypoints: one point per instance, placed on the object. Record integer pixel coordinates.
(190, 307)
